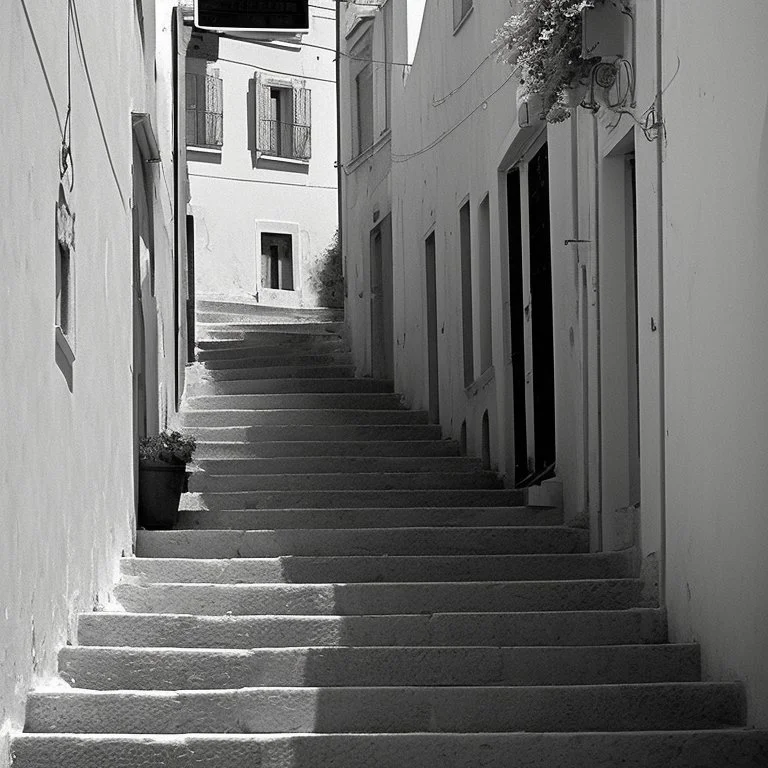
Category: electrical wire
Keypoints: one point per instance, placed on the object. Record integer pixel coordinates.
(276, 71)
(261, 181)
(397, 158)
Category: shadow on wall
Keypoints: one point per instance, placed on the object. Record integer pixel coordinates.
(328, 276)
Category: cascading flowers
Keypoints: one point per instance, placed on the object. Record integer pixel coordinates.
(543, 39)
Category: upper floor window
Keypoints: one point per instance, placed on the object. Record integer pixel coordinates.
(461, 9)
(362, 75)
(284, 119)
(205, 110)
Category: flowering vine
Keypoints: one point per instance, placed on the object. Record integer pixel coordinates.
(543, 39)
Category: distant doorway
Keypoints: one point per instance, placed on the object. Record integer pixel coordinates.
(531, 319)
(382, 318)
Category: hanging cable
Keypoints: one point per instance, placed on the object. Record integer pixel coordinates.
(65, 155)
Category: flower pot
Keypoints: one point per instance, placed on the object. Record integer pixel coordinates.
(160, 488)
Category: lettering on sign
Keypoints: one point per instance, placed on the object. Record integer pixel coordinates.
(251, 15)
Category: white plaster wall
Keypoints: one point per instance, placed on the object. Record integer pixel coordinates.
(716, 317)
(66, 459)
(230, 192)
(468, 126)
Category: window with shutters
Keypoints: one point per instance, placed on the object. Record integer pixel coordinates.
(362, 77)
(283, 119)
(461, 9)
(205, 110)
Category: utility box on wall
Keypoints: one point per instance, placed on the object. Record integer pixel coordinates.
(253, 15)
(603, 30)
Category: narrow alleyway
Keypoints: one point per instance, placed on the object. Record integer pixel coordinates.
(344, 589)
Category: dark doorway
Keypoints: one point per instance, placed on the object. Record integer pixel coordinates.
(190, 287)
(517, 323)
(434, 381)
(542, 331)
(382, 333)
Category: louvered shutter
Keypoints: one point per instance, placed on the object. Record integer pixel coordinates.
(214, 110)
(263, 114)
(302, 123)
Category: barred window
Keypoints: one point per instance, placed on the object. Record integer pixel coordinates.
(205, 110)
(283, 119)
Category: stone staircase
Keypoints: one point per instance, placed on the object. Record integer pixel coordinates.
(344, 590)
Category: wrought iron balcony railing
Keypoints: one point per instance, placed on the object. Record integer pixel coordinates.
(289, 140)
(205, 111)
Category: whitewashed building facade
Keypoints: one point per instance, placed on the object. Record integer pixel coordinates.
(583, 301)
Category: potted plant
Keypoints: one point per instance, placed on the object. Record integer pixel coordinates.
(163, 461)
(544, 40)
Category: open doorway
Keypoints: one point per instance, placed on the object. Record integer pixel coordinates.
(382, 320)
(531, 321)
(434, 375)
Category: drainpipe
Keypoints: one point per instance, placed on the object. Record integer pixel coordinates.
(660, 323)
(340, 12)
(598, 327)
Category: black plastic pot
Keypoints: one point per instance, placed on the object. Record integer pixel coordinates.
(160, 488)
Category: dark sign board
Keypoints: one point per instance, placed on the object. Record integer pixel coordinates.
(252, 15)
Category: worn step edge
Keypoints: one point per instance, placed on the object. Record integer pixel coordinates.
(734, 748)
(376, 599)
(524, 628)
(370, 517)
(423, 709)
(159, 668)
(287, 570)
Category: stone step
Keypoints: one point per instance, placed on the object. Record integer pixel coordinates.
(108, 668)
(204, 482)
(543, 629)
(259, 310)
(207, 387)
(372, 517)
(370, 541)
(270, 339)
(271, 330)
(380, 599)
(352, 464)
(312, 433)
(350, 570)
(191, 420)
(372, 401)
(301, 448)
(237, 350)
(731, 748)
(450, 708)
(348, 499)
(267, 333)
(297, 359)
(281, 372)
(245, 316)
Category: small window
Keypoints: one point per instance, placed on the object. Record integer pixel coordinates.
(205, 110)
(361, 58)
(277, 261)
(284, 120)
(461, 9)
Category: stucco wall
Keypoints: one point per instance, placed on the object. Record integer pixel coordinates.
(67, 455)
(454, 136)
(715, 286)
(232, 190)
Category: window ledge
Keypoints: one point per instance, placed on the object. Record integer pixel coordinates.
(287, 160)
(485, 378)
(204, 150)
(462, 20)
(359, 159)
